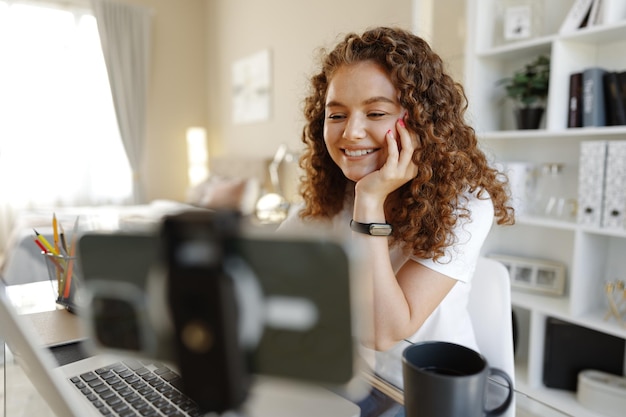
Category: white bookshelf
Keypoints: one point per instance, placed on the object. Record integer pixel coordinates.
(592, 255)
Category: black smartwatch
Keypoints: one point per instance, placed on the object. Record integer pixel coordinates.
(372, 229)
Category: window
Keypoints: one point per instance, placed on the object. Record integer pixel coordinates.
(59, 140)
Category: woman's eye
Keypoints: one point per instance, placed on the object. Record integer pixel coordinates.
(376, 114)
(336, 116)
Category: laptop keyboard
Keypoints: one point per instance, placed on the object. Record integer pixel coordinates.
(133, 388)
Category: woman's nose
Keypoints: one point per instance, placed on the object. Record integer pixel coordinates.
(355, 128)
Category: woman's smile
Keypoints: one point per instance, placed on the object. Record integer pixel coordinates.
(358, 152)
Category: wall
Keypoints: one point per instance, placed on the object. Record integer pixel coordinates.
(448, 34)
(292, 30)
(177, 92)
(195, 43)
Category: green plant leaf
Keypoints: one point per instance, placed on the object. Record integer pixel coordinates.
(530, 84)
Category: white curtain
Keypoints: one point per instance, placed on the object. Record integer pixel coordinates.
(125, 36)
(59, 140)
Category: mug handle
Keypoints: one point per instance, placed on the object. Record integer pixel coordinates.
(499, 410)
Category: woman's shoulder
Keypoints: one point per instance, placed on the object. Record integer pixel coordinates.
(470, 233)
(480, 211)
(478, 200)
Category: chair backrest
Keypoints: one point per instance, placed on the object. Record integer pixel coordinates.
(490, 311)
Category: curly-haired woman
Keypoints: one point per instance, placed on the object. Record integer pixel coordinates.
(390, 158)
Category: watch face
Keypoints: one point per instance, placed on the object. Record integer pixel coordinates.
(380, 229)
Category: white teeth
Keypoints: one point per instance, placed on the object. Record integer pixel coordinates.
(358, 152)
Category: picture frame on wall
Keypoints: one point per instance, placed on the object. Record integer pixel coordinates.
(252, 88)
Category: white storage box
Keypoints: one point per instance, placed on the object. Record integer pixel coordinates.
(602, 392)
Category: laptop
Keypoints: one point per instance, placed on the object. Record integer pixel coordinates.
(114, 373)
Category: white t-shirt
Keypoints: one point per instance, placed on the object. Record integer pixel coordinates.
(450, 321)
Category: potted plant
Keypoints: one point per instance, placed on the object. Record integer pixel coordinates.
(528, 88)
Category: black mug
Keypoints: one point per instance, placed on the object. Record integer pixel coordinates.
(443, 379)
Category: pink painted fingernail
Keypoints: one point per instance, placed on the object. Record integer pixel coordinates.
(401, 122)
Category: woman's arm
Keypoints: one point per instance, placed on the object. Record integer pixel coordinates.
(400, 303)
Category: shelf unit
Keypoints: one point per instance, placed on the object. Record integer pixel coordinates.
(592, 256)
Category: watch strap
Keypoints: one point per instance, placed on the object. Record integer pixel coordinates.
(372, 229)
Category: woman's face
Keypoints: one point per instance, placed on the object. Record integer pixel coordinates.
(361, 107)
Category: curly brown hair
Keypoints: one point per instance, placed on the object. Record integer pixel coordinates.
(423, 211)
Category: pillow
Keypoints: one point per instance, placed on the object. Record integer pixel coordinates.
(226, 192)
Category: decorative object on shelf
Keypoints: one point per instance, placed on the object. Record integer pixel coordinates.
(602, 392)
(528, 88)
(588, 13)
(578, 15)
(518, 20)
(534, 275)
(616, 296)
(550, 197)
(522, 183)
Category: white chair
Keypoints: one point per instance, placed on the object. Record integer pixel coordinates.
(490, 311)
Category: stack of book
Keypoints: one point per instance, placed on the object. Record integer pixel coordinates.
(597, 97)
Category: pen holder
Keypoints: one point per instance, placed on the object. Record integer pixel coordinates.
(64, 273)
